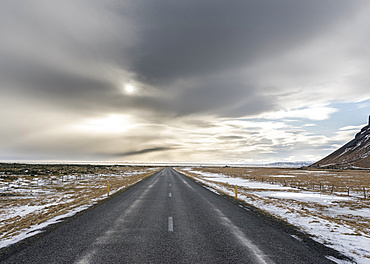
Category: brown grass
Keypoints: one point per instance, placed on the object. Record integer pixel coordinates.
(311, 179)
(307, 180)
(58, 197)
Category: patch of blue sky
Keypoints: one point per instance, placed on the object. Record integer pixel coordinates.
(348, 114)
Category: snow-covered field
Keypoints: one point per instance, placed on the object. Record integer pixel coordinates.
(335, 219)
(29, 203)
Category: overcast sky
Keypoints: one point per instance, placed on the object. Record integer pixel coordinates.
(244, 81)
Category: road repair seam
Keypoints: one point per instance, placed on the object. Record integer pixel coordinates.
(257, 254)
(88, 257)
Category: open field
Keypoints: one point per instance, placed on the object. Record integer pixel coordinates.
(316, 201)
(32, 196)
(324, 181)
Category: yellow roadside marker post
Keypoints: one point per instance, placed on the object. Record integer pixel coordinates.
(236, 191)
(107, 188)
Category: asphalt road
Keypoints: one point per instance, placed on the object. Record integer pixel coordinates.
(169, 218)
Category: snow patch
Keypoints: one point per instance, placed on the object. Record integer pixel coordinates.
(332, 233)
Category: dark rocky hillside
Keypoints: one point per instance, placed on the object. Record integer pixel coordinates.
(354, 154)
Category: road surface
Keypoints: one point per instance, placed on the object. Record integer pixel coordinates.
(169, 218)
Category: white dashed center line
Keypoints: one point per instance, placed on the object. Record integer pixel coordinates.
(170, 224)
(170, 195)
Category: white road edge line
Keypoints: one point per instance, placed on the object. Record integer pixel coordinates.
(170, 224)
(257, 254)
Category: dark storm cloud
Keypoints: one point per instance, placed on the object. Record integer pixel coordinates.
(231, 137)
(178, 39)
(221, 96)
(142, 151)
(51, 80)
(160, 42)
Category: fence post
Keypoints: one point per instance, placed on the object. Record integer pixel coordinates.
(364, 193)
(348, 191)
(332, 189)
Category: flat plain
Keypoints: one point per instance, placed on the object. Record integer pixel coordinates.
(33, 195)
(332, 206)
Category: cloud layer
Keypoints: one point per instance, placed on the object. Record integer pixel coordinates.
(193, 68)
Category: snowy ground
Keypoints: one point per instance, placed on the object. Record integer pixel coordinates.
(30, 203)
(338, 221)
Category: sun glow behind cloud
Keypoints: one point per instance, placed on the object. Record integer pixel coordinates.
(130, 89)
(110, 124)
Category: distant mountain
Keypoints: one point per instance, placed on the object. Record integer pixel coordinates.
(290, 164)
(354, 154)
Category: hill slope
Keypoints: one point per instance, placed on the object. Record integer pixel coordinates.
(355, 153)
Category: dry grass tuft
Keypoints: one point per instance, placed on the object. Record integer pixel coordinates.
(28, 200)
(310, 180)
